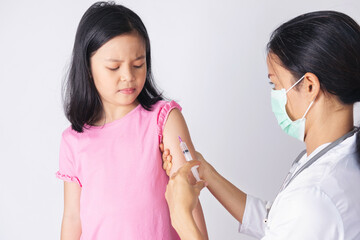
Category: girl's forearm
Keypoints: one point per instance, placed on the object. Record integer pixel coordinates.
(70, 228)
(232, 198)
(200, 220)
(185, 225)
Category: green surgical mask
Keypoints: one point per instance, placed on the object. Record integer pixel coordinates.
(296, 128)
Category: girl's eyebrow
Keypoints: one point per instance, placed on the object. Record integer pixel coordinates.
(118, 60)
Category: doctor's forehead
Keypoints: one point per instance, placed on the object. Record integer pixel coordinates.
(274, 65)
(270, 66)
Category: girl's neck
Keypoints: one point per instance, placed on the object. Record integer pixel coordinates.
(115, 112)
(328, 127)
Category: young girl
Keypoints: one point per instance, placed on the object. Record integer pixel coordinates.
(109, 157)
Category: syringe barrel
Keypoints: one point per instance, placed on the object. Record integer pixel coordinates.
(186, 151)
(195, 172)
(188, 157)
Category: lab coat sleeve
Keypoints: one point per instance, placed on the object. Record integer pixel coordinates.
(305, 214)
(253, 220)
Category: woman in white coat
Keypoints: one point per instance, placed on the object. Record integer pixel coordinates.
(314, 67)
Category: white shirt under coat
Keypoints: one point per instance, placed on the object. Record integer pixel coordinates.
(322, 202)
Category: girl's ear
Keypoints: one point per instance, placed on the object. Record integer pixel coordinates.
(312, 86)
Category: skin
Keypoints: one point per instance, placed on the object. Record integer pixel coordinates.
(176, 126)
(327, 120)
(184, 193)
(121, 64)
(71, 224)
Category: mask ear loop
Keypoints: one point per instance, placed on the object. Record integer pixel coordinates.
(295, 83)
(308, 108)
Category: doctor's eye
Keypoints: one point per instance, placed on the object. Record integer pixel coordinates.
(272, 85)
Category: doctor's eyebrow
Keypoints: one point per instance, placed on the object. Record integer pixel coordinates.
(118, 60)
(269, 75)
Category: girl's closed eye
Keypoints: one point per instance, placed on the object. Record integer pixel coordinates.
(113, 68)
(139, 65)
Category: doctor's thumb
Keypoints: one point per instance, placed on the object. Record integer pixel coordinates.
(199, 186)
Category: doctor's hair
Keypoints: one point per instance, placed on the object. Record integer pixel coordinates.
(327, 44)
(100, 23)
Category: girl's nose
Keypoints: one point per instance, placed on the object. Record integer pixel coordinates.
(127, 75)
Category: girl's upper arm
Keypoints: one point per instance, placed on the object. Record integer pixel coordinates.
(175, 126)
(72, 192)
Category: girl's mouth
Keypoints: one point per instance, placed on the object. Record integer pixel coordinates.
(127, 90)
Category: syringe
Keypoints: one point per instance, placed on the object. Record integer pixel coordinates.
(188, 157)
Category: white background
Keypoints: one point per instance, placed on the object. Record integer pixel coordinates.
(207, 55)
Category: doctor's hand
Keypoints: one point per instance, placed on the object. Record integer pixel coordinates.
(182, 197)
(205, 169)
(167, 159)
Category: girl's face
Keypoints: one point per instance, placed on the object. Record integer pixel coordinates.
(282, 78)
(119, 70)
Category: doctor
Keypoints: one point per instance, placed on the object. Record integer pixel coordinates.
(314, 68)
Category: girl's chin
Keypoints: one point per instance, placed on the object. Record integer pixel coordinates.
(128, 101)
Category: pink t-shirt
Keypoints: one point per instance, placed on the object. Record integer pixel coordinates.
(119, 168)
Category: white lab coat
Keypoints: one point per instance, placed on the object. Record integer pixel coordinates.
(322, 202)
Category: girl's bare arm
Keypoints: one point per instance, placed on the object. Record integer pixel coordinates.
(175, 127)
(71, 225)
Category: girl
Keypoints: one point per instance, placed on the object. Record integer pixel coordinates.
(109, 157)
(314, 68)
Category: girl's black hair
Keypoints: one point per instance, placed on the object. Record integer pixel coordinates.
(327, 44)
(100, 23)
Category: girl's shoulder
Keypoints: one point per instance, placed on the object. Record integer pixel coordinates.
(158, 105)
(160, 110)
(163, 108)
(163, 111)
(69, 134)
(164, 105)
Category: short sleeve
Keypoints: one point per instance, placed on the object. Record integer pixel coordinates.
(67, 166)
(253, 220)
(163, 115)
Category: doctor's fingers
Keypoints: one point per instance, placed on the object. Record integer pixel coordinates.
(199, 156)
(166, 155)
(186, 168)
(167, 165)
(168, 168)
(161, 146)
(199, 186)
